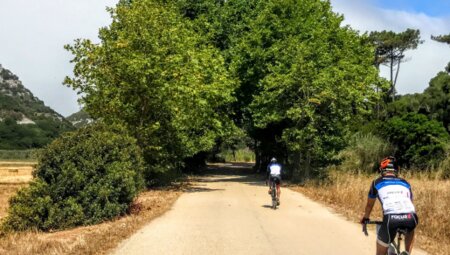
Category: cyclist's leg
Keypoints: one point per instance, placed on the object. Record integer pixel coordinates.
(270, 185)
(278, 189)
(385, 236)
(409, 237)
(409, 241)
(381, 249)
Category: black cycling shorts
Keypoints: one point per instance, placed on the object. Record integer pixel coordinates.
(392, 222)
(276, 179)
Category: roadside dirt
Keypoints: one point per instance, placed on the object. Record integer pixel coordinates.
(97, 239)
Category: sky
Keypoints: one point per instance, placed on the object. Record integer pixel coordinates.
(33, 34)
(32, 38)
(431, 17)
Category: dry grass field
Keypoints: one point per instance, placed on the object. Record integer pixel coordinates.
(347, 194)
(16, 172)
(97, 239)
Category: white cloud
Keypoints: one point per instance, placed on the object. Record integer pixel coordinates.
(32, 37)
(425, 62)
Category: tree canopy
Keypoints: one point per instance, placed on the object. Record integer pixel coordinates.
(186, 77)
(154, 73)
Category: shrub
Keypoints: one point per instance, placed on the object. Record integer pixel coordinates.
(364, 152)
(444, 166)
(420, 141)
(82, 178)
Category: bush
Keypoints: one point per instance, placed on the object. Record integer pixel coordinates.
(364, 152)
(420, 141)
(444, 166)
(82, 178)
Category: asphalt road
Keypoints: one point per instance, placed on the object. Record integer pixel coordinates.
(231, 214)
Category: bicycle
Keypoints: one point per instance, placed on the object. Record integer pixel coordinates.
(274, 195)
(394, 246)
(274, 182)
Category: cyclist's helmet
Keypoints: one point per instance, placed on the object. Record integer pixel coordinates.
(273, 160)
(389, 164)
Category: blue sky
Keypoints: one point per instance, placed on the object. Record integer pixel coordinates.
(434, 8)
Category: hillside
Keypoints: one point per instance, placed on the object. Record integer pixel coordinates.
(25, 121)
(79, 119)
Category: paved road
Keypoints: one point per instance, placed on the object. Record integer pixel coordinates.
(226, 214)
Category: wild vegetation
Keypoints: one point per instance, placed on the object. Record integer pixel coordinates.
(97, 239)
(191, 80)
(82, 178)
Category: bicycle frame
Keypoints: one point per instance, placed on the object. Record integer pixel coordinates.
(274, 195)
(394, 246)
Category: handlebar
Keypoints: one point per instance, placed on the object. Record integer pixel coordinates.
(370, 222)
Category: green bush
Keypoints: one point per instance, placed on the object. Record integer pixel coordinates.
(82, 178)
(363, 153)
(420, 142)
(444, 165)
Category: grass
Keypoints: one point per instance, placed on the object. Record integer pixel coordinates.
(6, 191)
(241, 155)
(97, 239)
(347, 194)
(16, 172)
(18, 155)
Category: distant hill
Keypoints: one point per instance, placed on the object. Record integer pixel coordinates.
(25, 121)
(80, 119)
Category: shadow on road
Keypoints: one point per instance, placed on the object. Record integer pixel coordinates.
(195, 189)
(231, 172)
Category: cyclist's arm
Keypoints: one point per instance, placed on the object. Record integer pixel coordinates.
(373, 192)
(369, 207)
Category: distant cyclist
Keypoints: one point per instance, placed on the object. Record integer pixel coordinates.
(274, 175)
(395, 196)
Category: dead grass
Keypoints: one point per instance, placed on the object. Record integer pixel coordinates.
(16, 172)
(347, 194)
(6, 191)
(97, 239)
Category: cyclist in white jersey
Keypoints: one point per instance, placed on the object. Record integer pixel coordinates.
(274, 175)
(396, 197)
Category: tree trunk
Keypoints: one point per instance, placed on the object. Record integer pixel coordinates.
(396, 75)
(257, 166)
(392, 79)
(296, 163)
(307, 166)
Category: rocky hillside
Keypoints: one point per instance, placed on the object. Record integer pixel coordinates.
(25, 121)
(80, 119)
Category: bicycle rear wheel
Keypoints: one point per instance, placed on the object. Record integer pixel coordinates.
(392, 250)
(274, 197)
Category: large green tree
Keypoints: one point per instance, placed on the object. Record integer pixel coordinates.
(155, 74)
(308, 79)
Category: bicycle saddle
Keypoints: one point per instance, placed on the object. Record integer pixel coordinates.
(402, 231)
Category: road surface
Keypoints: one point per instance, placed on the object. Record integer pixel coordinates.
(231, 214)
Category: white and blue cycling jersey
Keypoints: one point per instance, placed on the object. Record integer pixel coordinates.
(394, 194)
(274, 169)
